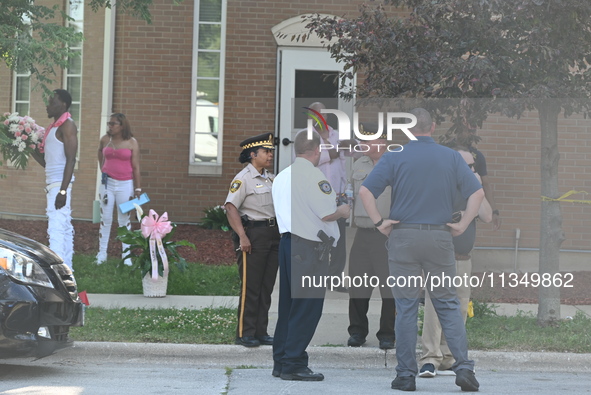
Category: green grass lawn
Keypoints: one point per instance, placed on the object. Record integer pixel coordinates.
(486, 330)
(199, 279)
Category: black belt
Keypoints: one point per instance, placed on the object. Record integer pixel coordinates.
(421, 226)
(266, 222)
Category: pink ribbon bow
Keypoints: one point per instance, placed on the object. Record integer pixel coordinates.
(156, 228)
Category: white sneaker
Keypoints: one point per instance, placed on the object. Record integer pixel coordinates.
(427, 371)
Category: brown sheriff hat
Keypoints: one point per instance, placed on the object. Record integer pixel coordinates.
(370, 128)
(264, 140)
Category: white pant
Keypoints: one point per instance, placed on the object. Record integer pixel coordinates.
(59, 226)
(115, 193)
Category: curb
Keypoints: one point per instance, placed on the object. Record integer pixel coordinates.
(215, 356)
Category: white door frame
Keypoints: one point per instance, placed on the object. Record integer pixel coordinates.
(290, 59)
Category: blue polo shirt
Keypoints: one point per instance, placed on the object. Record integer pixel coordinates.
(424, 177)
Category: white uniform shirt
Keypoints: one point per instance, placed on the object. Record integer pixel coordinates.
(302, 197)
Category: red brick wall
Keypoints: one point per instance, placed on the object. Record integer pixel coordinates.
(512, 151)
(152, 86)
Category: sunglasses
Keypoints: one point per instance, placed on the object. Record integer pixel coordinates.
(113, 123)
(472, 166)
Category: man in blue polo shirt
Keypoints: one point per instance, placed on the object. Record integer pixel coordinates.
(424, 177)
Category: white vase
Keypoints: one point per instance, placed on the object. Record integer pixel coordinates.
(154, 288)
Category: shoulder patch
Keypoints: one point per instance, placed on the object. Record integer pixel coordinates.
(236, 184)
(325, 187)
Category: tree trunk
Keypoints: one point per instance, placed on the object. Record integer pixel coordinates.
(551, 234)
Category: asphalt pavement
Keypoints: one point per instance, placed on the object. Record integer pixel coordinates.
(232, 369)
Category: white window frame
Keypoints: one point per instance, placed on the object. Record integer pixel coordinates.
(16, 76)
(67, 73)
(206, 168)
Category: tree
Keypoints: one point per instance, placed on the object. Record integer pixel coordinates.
(520, 55)
(33, 37)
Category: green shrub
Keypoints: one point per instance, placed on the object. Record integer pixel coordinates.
(215, 218)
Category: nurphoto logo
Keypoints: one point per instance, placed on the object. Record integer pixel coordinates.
(315, 117)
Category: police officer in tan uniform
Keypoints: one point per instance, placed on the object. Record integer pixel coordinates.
(250, 212)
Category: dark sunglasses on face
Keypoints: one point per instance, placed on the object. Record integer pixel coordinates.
(113, 123)
(471, 166)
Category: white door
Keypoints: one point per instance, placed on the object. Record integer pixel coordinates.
(306, 75)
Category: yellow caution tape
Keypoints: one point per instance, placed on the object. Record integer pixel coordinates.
(563, 198)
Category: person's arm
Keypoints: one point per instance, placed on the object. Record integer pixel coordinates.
(39, 157)
(69, 134)
(236, 224)
(485, 211)
(135, 165)
(472, 207)
(342, 211)
(371, 207)
(488, 192)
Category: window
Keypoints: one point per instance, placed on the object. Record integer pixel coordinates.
(208, 87)
(74, 70)
(22, 92)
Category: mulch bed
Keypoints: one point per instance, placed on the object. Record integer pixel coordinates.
(213, 247)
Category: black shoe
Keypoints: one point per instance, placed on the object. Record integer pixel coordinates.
(356, 340)
(466, 380)
(303, 375)
(247, 341)
(386, 344)
(265, 340)
(404, 383)
(276, 369)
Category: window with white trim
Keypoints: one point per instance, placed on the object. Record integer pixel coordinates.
(208, 86)
(21, 94)
(74, 69)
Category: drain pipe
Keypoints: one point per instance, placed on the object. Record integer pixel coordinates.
(517, 235)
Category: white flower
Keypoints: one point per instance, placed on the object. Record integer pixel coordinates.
(21, 146)
(138, 210)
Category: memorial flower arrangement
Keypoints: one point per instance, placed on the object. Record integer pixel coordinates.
(151, 247)
(19, 137)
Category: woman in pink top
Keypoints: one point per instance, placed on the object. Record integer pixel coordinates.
(119, 159)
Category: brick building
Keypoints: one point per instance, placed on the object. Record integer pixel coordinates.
(208, 73)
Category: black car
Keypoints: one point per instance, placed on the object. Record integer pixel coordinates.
(39, 301)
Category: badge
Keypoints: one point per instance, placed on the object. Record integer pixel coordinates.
(236, 184)
(325, 187)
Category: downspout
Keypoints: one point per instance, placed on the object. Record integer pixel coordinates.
(107, 89)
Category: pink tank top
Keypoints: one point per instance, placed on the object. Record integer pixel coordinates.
(118, 163)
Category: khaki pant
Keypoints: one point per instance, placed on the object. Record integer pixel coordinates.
(435, 349)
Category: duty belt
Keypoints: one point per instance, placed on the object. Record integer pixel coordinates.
(266, 222)
(421, 227)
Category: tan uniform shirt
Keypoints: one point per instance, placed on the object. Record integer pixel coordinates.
(361, 168)
(250, 193)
